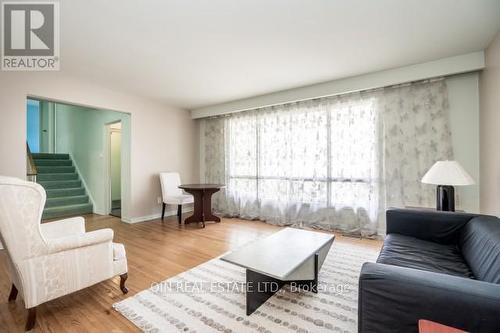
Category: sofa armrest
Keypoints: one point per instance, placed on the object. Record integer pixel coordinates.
(393, 299)
(80, 240)
(62, 228)
(435, 226)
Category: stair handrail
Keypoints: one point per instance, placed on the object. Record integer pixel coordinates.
(31, 170)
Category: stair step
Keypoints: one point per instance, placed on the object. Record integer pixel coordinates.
(68, 210)
(55, 184)
(55, 169)
(55, 162)
(50, 156)
(57, 176)
(64, 192)
(64, 201)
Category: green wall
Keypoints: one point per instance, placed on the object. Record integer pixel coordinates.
(82, 132)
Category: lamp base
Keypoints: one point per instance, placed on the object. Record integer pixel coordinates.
(445, 198)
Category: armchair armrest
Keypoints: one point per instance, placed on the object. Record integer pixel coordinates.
(393, 299)
(435, 226)
(80, 240)
(62, 228)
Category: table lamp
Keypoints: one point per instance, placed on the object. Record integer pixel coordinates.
(446, 174)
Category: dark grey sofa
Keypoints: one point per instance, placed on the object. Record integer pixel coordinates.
(440, 266)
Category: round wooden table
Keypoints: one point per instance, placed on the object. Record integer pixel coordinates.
(202, 194)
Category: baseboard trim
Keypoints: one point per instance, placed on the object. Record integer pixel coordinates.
(155, 216)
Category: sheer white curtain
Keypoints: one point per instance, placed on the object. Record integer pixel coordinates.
(416, 134)
(331, 163)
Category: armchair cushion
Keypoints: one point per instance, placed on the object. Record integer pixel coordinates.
(412, 252)
(61, 228)
(79, 240)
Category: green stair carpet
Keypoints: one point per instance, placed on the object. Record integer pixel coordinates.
(66, 195)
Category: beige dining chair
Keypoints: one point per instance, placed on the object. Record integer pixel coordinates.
(172, 194)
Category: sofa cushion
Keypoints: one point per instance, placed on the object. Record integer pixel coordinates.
(411, 252)
(480, 246)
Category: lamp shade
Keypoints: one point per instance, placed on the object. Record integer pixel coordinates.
(447, 173)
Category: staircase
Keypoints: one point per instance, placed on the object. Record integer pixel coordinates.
(66, 195)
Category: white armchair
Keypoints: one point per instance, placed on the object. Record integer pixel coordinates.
(52, 259)
(172, 194)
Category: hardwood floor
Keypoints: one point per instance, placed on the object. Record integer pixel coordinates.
(155, 251)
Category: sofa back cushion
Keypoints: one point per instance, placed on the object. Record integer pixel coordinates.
(480, 246)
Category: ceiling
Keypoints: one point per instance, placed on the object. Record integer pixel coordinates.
(191, 54)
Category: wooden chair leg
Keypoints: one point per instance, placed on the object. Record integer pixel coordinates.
(13, 293)
(30, 322)
(123, 278)
(179, 213)
(163, 211)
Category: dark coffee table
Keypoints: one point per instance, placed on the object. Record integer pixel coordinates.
(290, 256)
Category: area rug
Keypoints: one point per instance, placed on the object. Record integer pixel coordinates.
(211, 298)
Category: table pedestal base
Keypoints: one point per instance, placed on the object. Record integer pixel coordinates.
(202, 206)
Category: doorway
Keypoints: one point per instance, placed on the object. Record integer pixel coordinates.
(33, 130)
(69, 154)
(41, 126)
(115, 148)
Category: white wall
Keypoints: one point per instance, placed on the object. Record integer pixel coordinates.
(163, 138)
(490, 130)
(463, 95)
(81, 132)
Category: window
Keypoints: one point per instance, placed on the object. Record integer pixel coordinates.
(321, 153)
